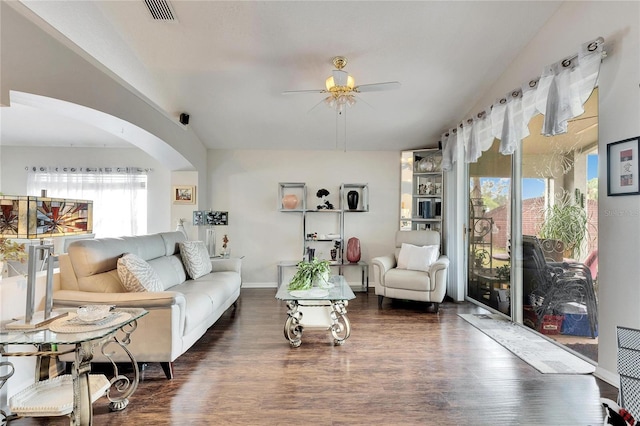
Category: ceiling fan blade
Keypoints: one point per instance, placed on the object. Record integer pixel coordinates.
(293, 92)
(377, 87)
(314, 107)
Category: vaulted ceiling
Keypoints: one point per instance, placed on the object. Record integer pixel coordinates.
(226, 64)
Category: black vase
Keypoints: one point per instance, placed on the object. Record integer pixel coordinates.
(352, 199)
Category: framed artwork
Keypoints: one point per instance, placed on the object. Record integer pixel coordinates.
(198, 218)
(217, 218)
(623, 167)
(184, 195)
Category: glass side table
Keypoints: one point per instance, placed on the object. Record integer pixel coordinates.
(49, 397)
(318, 308)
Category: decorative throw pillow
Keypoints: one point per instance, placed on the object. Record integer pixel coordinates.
(137, 275)
(195, 258)
(417, 258)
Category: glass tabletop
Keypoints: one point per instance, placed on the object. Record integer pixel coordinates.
(339, 291)
(43, 335)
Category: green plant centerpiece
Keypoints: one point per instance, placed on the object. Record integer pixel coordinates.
(310, 273)
(566, 221)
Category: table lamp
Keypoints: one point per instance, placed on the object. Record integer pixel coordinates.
(38, 218)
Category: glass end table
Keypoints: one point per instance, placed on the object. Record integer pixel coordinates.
(47, 397)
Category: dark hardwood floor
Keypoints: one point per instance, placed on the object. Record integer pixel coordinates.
(402, 365)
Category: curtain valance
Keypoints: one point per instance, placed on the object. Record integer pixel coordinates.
(559, 94)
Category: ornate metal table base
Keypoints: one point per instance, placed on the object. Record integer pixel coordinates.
(339, 326)
(121, 387)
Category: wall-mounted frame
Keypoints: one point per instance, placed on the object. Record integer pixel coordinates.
(216, 218)
(623, 167)
(184, 195)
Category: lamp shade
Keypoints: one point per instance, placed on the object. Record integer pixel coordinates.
(42, 217)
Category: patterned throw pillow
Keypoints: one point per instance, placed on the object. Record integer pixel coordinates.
(137, 275)
(195, 258)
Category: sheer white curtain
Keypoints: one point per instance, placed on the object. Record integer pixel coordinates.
(119, 195)
(559, 94)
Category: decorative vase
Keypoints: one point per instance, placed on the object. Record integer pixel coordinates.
(352, 199)
(290, 201)
(334, 254)
(353, 250)
(211, 242)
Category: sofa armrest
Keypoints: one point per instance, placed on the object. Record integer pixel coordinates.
(438, 272)
(438, 265)
(232, 265)
(161, 299)
(382, 265)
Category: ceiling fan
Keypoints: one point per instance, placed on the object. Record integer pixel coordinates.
(341, 87)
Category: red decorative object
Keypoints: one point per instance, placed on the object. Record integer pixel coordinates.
(551, 324)
(290, 201)
(353, 250)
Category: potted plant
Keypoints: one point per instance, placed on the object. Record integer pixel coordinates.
(310, 273)
(480, 257)
(566, 222)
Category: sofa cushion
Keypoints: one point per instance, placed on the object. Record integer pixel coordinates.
(137, 275)
(195, 258)
(417, 258)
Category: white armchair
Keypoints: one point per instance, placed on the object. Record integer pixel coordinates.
(426, 282)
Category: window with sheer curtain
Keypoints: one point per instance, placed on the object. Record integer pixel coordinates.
(119, 195)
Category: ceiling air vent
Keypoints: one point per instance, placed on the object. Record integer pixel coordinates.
(160, 10)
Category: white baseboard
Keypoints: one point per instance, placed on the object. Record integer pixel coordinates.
(260, 285)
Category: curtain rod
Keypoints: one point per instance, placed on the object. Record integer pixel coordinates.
(566, 62)
(58, 169)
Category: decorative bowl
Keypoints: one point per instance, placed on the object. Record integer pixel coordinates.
(91, 313)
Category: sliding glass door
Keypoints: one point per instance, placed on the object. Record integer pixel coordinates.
(489, 230)
(560, 231)
(537, 209)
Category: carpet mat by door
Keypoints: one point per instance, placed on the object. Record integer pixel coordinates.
(541, 354)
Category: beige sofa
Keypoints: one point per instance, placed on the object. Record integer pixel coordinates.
(178, 316)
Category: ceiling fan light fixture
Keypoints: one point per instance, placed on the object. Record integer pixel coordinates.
(340, 81)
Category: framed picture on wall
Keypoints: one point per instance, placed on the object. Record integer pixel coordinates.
(184, 195)
(623, 167)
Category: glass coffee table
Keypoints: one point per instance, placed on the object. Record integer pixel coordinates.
(317, 308)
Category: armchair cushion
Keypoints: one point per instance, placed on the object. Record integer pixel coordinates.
(417, 258)
(137, 275)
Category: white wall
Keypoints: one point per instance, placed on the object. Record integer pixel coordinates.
(13, 176)
(34, 62)
(619, 118)
(245, 183)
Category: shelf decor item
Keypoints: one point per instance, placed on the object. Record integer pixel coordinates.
(353, 250)
(352, 200)
(290, 201)
(326, 205)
